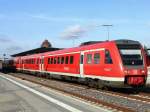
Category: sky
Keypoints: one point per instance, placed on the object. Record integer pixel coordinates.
(25, 24)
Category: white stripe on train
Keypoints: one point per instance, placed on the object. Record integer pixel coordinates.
(79, 75)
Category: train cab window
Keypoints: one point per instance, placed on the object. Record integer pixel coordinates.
(96, 58)
(62, 60)
(67, 59)
(108, 59)
(55, 60)
(89, 59)
(71, 59)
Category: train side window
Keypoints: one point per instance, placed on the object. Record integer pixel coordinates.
(37, 61)
(58, 60)
(52, 60)
(66, 60)
(96, 58)
(71, 59)
(89, 59)
(49, 60)
(62, 60)
(108, 59)
(81, 59)
(55, 60)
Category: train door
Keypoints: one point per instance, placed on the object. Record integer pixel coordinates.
(41, 63)
(23, 64)
(19, 63)
(148, 66)
(81, 64)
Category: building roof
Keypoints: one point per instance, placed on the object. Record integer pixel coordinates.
(35, 51)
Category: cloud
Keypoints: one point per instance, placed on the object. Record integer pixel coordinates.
(56, 19)
(74, 32)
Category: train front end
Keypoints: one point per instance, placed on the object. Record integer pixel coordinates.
(148, 66)
(134, 62)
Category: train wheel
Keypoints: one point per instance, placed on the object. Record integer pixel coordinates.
(100, 85)
(92, 83)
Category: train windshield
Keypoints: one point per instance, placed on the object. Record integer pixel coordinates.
(148, 51)
(131, 56)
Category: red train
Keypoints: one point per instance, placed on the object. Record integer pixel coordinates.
(118, 63)
(148, 66)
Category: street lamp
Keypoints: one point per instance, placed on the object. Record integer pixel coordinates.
(4, 55)
(107, 26)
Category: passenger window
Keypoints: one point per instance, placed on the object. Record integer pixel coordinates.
(58, 60)
(37, 61)
(96, 58)
(66, 61)
(108, 59)
(71, 59)
(55, 60)
(81, 59)
(62, 60)
(89, 59)
(49, 60)
(52, 60)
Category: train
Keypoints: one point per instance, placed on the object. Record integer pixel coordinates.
(116, 63)
(148, 65)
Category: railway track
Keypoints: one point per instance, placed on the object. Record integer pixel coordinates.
(115, 101)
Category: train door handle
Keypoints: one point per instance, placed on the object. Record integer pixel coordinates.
(108, 69)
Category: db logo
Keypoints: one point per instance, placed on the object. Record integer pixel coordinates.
(66, 68)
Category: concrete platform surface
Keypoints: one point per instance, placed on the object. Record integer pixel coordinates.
(18, 95)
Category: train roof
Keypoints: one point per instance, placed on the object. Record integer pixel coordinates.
(126, 41)
(92, 45)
